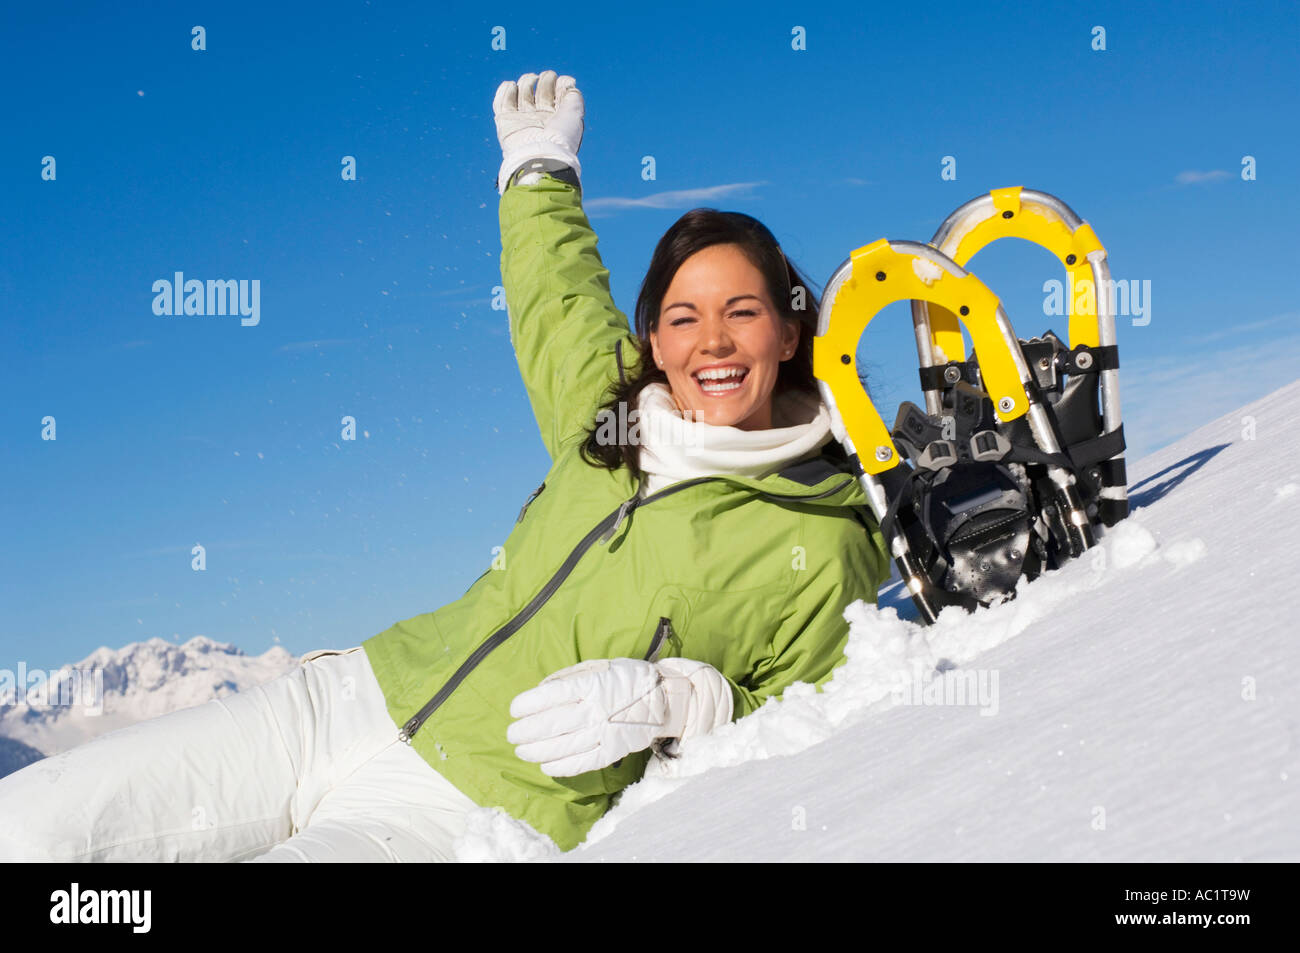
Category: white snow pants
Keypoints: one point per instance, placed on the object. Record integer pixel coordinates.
(306, 767)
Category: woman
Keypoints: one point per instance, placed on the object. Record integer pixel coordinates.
(688, 556)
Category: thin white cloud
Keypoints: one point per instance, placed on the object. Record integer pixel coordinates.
(679, 198)
(1193, 177)
(210, 545)
(206, 441)
(312, 345)
(1232, 330)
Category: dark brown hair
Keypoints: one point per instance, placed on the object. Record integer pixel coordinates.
(696, 230)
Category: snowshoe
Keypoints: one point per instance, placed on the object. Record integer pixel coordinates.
(1085, 410)
(1016, 462)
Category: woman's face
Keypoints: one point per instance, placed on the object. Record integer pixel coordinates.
(717, 320)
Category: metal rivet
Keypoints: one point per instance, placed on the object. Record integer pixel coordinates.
(880, 276)
(845, 359)
(1070, 259)
(965, 310)
(1083, 360)
(1008, 213)
(951, 374)
(1044, 363)
(1006, 404)
(883, 453)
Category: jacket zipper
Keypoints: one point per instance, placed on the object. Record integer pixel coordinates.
(661, 633)
(798, 496)
(605, 529)
(602, 532)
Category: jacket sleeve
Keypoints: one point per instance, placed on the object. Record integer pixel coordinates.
(563, 322)
(809, 644)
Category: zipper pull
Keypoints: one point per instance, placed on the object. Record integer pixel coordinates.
(531, 496)
(656, 645)
(674, 639)
(624, 508)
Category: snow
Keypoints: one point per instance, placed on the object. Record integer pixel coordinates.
(1137, 704)
(976, 216)
(926, 270)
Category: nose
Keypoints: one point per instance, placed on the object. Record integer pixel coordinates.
(714, 338)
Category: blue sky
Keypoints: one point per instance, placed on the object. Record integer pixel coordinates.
(376, 293)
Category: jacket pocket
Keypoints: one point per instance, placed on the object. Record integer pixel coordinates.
(531, 496)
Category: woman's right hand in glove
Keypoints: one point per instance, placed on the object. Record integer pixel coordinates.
(545, 124)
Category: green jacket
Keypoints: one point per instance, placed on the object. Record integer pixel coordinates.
(753, 574)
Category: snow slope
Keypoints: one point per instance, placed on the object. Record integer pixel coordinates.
(1137, 704)
(141, 680)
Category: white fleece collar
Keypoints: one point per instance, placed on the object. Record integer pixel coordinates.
(673, 448)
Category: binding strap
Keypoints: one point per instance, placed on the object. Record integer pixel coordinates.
(1076, 456)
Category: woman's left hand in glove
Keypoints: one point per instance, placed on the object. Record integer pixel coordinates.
(590, 715)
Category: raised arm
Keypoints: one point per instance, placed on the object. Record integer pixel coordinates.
(563, 323)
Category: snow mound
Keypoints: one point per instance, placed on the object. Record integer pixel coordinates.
(1136, 704)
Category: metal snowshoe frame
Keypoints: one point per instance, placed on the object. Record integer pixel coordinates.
(1021, 469)
(1048, 222)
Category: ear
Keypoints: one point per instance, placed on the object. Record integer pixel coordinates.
(654, 347)
(789, 338)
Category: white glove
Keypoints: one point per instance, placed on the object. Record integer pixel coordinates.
(547, 125)
(590, 715)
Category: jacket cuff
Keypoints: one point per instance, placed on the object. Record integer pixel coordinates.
(560, 164)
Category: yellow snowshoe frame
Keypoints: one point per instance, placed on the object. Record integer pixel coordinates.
(877, 275)
(1046, 221)
(1035, 217)
(946, 299)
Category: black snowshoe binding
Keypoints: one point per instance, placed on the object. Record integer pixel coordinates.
(1016, 462)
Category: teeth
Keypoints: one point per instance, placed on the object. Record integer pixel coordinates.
(720, 373)
(712, 388)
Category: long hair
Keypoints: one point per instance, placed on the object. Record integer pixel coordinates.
(786, 287)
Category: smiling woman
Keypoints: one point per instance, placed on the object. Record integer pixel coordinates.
(620, 618)
(721, 357)
(725, 327)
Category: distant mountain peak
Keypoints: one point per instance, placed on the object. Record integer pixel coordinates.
(140, 680)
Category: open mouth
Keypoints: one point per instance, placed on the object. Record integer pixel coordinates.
(720, 381)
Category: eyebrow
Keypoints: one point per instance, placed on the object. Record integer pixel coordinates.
(730, 301)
